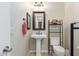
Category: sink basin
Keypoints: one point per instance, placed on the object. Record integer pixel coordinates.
(38, 36)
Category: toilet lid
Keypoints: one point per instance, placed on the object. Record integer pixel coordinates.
(59, 48)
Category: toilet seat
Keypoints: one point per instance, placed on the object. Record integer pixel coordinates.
(60, 51)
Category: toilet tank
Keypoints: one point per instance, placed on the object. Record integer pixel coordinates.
(55, 41)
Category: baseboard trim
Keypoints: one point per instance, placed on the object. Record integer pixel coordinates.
(42, 51)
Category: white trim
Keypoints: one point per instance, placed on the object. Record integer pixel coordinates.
(42, 51)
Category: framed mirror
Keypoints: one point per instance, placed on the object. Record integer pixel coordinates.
(38, 20)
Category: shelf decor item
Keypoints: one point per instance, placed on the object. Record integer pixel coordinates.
(38, 20)
(55, 21)
(28, 20)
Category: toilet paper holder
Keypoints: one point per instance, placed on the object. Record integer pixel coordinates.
(6, 50)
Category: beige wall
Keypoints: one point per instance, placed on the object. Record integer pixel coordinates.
(18, 42)
(71, 15)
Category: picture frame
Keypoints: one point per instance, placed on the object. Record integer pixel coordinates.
(38, 20)
(28, 20)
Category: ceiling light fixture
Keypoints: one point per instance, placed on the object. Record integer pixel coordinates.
(38, 4)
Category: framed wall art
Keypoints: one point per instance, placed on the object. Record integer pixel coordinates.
(28, 20)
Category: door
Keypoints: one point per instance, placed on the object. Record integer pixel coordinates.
(76, 40)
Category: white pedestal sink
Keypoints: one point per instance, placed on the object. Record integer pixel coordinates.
(38, 39)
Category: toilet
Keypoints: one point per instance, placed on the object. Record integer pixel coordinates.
(58, 50)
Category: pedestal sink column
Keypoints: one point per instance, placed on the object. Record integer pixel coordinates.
(38, 47)
(38, 39)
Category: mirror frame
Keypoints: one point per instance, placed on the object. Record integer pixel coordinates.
(38, 12)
